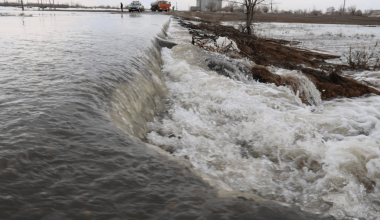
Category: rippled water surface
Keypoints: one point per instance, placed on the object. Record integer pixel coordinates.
(76, 93)
(82, 94)
(61, 154)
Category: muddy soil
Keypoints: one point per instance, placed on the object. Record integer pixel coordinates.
(279, 53)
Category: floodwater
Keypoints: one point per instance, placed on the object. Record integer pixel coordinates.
(262, 139)
(82, 94)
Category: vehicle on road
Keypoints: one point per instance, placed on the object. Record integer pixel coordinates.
(160, 6)
(136, 6)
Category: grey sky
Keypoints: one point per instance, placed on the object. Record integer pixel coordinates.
(323, 4)
(282, 4)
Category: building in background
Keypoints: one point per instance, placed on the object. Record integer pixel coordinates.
(374, 13)
(208, 5)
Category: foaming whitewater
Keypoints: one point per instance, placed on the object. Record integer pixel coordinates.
(304, 86)
(262, 139)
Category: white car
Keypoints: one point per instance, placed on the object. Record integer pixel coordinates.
(136, 6)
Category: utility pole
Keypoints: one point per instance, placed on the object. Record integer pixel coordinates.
(271, 6)
(271, 3)
(344, 6)
(22, 5)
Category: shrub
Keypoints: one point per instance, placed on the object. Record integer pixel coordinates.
(361, 59)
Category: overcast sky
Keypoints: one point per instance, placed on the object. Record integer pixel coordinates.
(282, 4)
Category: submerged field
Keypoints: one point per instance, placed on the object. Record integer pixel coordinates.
(334, 39)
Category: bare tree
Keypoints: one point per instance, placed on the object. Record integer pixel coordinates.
(211, 6)
(367, 12)
(330, 10)
(271, 4)
(298, 12)
(351, 9)
(232, 6)
(316, 12)
(359, 13)
(265, 8)
(250, 6)
(275, 10)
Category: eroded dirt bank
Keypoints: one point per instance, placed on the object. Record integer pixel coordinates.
(279, 53)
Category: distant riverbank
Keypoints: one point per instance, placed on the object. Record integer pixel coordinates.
(288, 18)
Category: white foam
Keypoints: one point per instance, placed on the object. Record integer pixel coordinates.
(225, 41)
(260, 138)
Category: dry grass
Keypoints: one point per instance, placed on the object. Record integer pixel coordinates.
(273, 52)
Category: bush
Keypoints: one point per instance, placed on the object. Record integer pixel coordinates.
(359, 13)
(361, 59)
